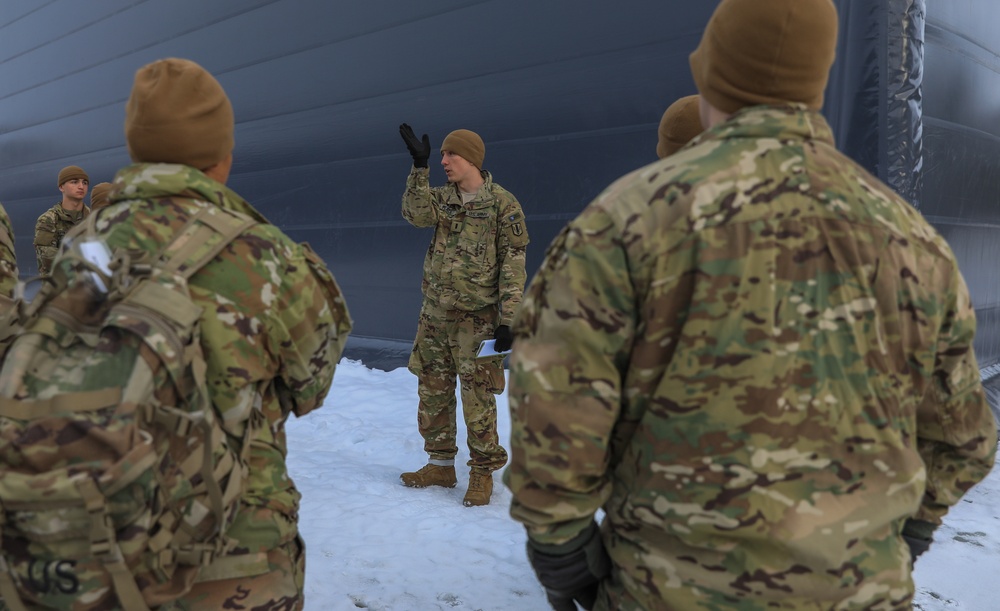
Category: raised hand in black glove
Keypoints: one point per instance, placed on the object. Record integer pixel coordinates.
(918, 535)
(571, 572)
(504, 338)
(420, 150)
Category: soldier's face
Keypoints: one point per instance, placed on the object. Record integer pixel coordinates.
(75, 188)
(456, 167)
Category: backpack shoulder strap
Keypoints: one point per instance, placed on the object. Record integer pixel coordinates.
(193, 246)
(203, 237)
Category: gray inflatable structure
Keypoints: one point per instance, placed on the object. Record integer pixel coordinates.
(566, 95)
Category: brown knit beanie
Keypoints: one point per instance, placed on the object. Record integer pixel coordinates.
(680, 123)
(467, 145)
(178, 113)
(766, 52)
(99, 195)
(70, 172)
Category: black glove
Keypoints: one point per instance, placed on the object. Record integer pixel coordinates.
(919, 535)
(420, 150)
(571, 577)
(504, 338)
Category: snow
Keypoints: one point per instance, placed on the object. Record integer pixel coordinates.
(958, 570)
(373, 544)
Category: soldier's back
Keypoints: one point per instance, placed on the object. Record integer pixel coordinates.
(786, 298)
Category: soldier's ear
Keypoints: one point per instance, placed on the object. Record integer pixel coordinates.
(220, 171)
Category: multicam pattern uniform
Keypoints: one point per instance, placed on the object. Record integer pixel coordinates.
(273, 330)
(473, 281)
(50, 228)
(8, 259)
(758, 360)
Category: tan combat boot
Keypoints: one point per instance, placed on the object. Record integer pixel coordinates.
(480, 489)
(430, 475)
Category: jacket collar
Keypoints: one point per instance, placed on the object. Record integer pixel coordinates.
(787, 122)
(152, 180)
(484, 196)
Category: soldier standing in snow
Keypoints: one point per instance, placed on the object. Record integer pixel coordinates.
(473, 280)
(53, 224)
(273, 325)
(753, 355)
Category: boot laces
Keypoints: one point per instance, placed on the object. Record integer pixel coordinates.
(477, 482)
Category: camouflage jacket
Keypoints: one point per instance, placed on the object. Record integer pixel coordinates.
(757, 359)
(273, 329)
(8, 258)
(50, 228)
(476, 257)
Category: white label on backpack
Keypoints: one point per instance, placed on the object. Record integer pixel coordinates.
(96, 253)
(197, 513)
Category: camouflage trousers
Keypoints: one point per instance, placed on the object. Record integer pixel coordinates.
(445, 347)
(279, 589)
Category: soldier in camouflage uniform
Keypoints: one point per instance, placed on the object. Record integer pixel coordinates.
(473, 281)
(99, 196)
(53, 224)
(8, 258)
(753, 355)
(274, 322)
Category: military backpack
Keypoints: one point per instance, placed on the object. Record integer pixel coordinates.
(117, 481)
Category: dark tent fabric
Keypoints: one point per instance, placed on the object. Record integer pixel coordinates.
(567, 98)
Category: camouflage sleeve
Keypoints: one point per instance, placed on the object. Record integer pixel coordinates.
(574, 332)
(419, 199)
(8, 260)
(316, 321)
(956, 432)
(45, 255)
(273, 315)
(46, 244)
(512, 243)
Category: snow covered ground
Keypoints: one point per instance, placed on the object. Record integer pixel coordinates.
(373, 544)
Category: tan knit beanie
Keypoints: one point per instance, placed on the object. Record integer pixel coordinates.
(178, 113)
(70, 172)
(467, 145)
(680, 123)
(99, 195)
(766, 52)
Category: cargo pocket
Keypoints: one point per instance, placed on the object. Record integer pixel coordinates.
(415, 364)
(491, 373)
